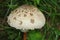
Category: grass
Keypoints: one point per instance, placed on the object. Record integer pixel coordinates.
(51, 10)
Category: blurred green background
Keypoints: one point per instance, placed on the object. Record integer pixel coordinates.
(51, 10)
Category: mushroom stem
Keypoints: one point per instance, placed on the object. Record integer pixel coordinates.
(24, 36)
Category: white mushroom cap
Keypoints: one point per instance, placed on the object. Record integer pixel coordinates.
(26, 17)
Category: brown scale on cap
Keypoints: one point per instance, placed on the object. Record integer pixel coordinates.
(26, 12)
(33, 10)
(14, 18)
(32, 20)
(15, 10)
(20, 22)
(18, 12)
(31, 14)
(22, 10)
(19, 15)
(25, 15)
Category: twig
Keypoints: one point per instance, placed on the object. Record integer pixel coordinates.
(6, 13)
(5, 16)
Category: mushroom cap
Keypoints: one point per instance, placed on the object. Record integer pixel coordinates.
(26, 17)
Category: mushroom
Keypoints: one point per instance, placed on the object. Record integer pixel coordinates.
(26, 17)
